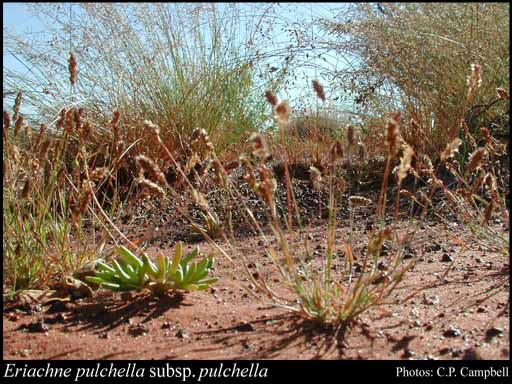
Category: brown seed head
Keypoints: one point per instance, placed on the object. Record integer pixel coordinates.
(475, 79)
(350, 135)
(392, 134)
(114, 124)
(502, 93)
(149, 166)
(152, 187)
(18, 125)
(7, 121)
(62, 118)
(27, 186)
(68, 123)
(359, 201)
(315, 176)
(154, 128)
(361, 151)
(98, 173)
(475, 159)
(282, 112)
(451, 149)
(72, 69)
(486, 135)
(405, 163)
(319, 90)
(220, 176)
(336, 151)
(259, 146)
(17, 104)
(271, 98)
(231, 165)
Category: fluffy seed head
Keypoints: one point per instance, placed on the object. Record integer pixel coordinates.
(451, 149)
(475, 159)
(259, 146)
(405, 163)
(148, 165)
(315, 176)
(282, 112)
(152, 187)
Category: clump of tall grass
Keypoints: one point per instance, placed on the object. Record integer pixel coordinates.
(53, 181)
(413, 57)
(45, 200)
(181, 66)
(477, 195)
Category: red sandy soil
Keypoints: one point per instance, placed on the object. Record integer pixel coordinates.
(462, 316)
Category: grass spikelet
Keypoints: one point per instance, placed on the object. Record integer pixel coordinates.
(336, 151)
(474, 80)
(405, 163)
(451, 149)
(502, 93)
(72, 67)
(18, 125)
(27, 187)
(114, 124)
(486, 135)
(7, 121)
(475, 159)
(151, 186)
(319, 90)
(361, 151)
(359, 201)
(86, 131)
(259, 146)
(271, 98)
(149, 166)
(85, 196)
(62, 119)
(392, 133)
(154, 128)
(282, 112)
(68, 120)
(98, 173)
(315, 176)
(43, 151)
(231, 165)
(17, 104)
(350, 135)
(220, 175)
